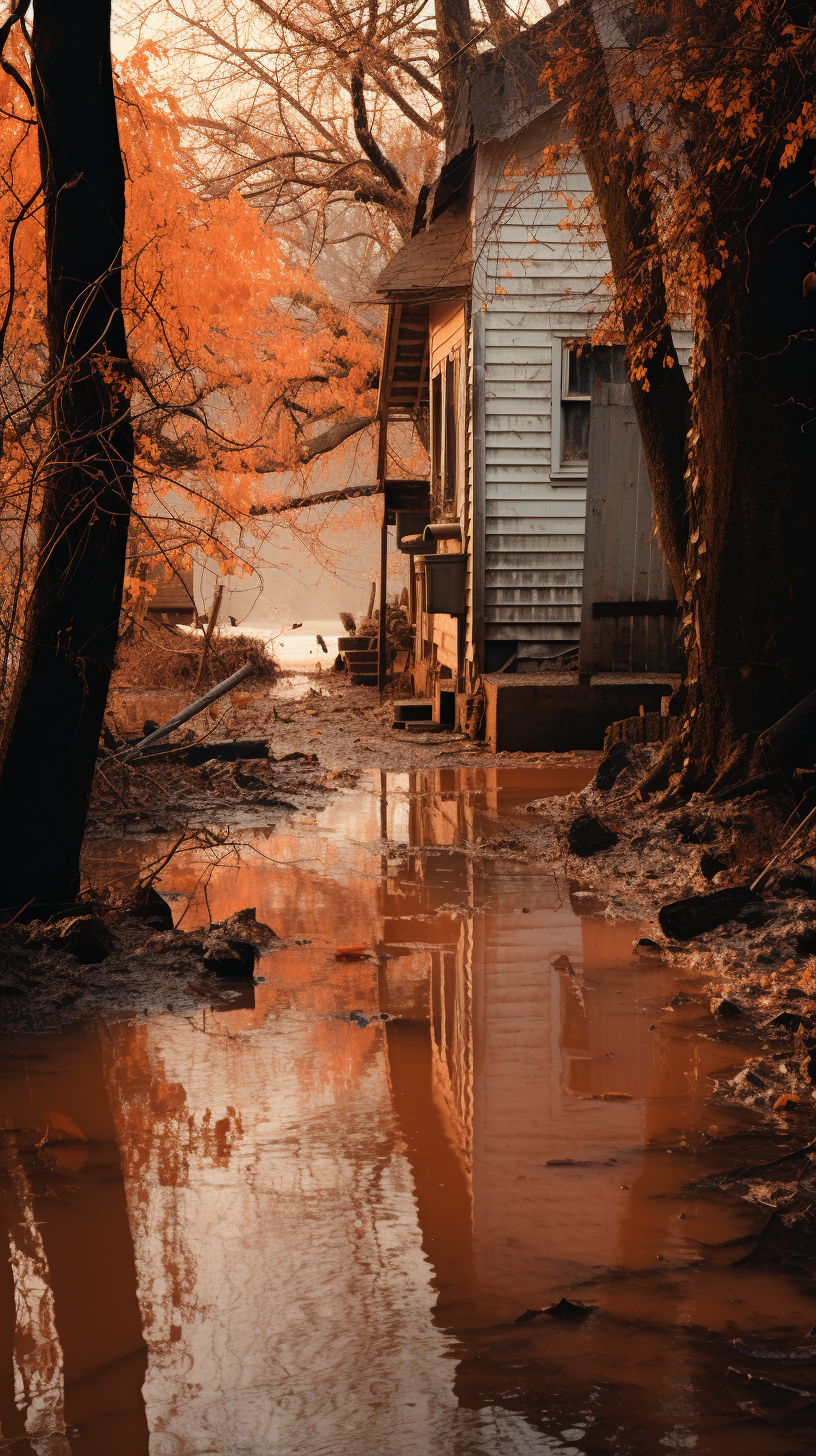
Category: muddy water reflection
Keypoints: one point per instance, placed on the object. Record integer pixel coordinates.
(284, 1230)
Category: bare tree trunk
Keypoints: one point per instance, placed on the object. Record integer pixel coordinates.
(615, 165)
(49, 746)
(751, 559)
(454, 28)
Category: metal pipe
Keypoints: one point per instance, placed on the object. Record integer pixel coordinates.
(186, 713)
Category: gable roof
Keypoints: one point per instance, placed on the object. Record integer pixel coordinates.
(501, 90)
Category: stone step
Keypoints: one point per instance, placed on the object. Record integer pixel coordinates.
(409, 710)
(353, 644)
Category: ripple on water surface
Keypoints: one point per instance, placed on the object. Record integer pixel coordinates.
(310, 1223)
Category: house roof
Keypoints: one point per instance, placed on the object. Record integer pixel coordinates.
(435, 264)
(502, 91)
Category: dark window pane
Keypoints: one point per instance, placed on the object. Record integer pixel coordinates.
(576, 431)
(580, 371)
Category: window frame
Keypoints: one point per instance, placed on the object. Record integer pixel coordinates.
(563, 472)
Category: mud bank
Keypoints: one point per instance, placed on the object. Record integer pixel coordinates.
(760, 962)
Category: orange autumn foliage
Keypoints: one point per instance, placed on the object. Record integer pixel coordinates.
(239, 355)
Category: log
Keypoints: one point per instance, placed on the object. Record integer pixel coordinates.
(186, 713)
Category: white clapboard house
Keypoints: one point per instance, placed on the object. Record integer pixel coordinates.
(487, 305)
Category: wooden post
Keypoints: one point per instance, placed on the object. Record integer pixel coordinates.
(382, 645)
(412, 592)
(213, 618)
(477, 496)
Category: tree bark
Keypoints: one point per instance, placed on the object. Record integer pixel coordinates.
(49, 746)
(752, 582)
(613, 157)
(454, 28)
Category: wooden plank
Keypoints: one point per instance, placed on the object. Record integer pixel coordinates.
(477, 488)
(516, 631)
(594, 534)
(622, 560)
(521, 613)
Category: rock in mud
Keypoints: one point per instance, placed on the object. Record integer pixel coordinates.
(567, 1309)
(789, 1020)
(683, 919)
(611, 767)
(726, 1008)
(589, 835)
(793, 882)
(84, 936)
(693, 828)
(229, 957)
(145, 903)
(711, 864)
(647, 947)
(245, 926)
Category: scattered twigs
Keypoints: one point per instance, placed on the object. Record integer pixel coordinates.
(760, 879)
(748, 1171)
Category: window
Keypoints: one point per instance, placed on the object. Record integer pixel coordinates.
(576, 393)
(572, 395)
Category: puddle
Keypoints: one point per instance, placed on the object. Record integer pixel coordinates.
(279, 1227)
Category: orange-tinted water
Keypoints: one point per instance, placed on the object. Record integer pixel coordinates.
(275, 1228)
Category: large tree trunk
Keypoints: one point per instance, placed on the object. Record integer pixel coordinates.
(752, 577)
(613, 155)
(50, 741)
(454, 29)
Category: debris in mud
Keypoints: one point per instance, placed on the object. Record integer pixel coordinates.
(726, 1008)
(619, 758)
(83, 936)
(226, 956)
(711, 864)
(51, 969)
(145, 903)
(588, 835)
(568, 1309)
(684, 919)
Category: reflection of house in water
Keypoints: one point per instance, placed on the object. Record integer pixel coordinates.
(526, 1062)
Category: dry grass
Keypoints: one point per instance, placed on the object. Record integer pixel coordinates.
(156, 656)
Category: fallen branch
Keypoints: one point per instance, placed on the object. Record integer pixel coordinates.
(302, 502)
(186, 713)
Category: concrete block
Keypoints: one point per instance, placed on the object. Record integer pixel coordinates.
(554, 712)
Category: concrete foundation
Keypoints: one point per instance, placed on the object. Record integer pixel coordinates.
(553, 711)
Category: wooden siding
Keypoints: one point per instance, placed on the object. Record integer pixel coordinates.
(537, 283)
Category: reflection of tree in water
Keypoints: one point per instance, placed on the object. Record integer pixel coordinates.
(71, 1345)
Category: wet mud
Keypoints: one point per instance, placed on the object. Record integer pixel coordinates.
(339, 1213)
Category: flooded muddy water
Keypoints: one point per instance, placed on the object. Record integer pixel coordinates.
(316, 1221)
